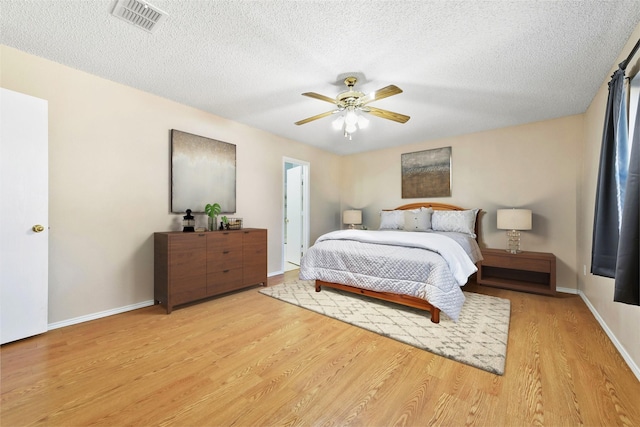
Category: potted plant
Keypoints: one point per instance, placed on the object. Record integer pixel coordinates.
(225, 220)
(212, 211)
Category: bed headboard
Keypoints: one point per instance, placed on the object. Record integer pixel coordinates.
(432, 205)
(440, 207)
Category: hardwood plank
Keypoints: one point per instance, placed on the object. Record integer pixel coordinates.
(247, 359)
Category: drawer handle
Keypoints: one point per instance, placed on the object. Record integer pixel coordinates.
(225, 252)
(226, 271)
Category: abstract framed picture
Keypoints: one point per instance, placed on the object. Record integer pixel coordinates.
(203, 170)
(426, 173)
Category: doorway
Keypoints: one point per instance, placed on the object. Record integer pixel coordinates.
(296, 212)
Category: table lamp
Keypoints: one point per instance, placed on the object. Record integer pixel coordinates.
(352, 217)
(514, 220)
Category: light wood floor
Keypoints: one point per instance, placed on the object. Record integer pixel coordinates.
(247, 359)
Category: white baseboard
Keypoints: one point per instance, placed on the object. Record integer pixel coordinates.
(93, 316)
(567, 290)
(634, 368)
(98, 315)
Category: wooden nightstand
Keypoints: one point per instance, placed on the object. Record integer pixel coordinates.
(525, 271)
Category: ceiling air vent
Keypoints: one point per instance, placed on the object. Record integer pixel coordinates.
(139, 13)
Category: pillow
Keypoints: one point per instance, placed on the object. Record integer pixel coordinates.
(418, 220)
(458, 221)
(391, 220)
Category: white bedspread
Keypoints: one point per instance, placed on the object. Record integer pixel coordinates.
(424, 265)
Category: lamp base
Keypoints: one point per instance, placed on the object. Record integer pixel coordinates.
(513, 241)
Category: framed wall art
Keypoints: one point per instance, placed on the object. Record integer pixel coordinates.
(203, 170)
(426, 173)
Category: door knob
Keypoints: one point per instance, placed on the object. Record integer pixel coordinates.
(37, 228)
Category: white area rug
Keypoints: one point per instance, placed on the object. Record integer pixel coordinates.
(479, 338)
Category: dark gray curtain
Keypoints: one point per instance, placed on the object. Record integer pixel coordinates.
(606, 221)
(627, 285)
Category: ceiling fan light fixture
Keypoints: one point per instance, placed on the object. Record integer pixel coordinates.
(350, 121)
(350, 127)
(350, 106)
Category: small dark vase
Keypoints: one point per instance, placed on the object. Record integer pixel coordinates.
(221, 226)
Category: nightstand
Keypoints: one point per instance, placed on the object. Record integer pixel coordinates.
(525, 271)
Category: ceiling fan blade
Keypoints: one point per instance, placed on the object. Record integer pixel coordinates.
(389, 115)
(320, 97)
(316, 117)
(381, 93)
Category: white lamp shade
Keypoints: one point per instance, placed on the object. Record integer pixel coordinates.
(514, 219)
(338, 122)
(351, 118)
(352, 217)
(363, 122)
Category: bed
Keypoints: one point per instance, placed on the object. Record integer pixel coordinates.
(420, 257)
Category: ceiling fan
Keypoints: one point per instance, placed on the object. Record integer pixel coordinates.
(351, 102)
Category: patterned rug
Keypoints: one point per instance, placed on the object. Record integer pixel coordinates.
(479, 338)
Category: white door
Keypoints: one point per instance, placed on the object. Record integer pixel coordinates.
(24, 204)
(294, 215)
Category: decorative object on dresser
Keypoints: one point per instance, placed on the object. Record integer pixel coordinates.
(201, 168)
(193, 266)
(479, 337)
(352, 217)
(426, 173)
(417, 268)
(525, 271)
(188, 222)
(233, 224)
(212, 211)
(514, 220)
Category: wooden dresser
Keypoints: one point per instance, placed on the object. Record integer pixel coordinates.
(193, 266)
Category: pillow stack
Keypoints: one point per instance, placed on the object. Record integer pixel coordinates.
(426, 219)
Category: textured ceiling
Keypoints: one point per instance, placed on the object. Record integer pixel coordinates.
(464, 66)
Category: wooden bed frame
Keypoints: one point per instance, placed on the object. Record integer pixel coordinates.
(406, 300)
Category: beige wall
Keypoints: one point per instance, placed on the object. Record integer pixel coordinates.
(531, 166)
(621, 319)
(109, 182)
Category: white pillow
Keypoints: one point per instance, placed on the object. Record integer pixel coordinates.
(391, 220)
(458, 221)
(418, 220)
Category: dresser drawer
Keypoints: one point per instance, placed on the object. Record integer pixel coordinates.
(221, 240)
(224, 259)
(224, 281)
(516, 263)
